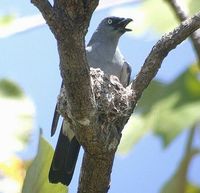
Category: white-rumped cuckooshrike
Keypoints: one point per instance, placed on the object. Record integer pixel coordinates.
(102, 52)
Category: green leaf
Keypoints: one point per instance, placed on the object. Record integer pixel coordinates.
(151, 10)
(36, 180)
(178, 182)
(191, 188)
(16, 114)
(165, 109)
(153, 17)
(136, 127)
(168, 121)
(194, 6)
(133, 131)
(176, 108)
(6, 19)
(154, 93)
(9, 88)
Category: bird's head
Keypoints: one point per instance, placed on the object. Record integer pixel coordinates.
(115, 26)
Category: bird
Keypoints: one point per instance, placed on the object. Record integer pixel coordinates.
(102, 52)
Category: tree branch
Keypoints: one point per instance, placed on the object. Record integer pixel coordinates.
(182, 15)
(44, 6)
(92, 169)
(69, 20)
(178, 181)
(97, 106)
(188, 146)
(160, 51)
(189, 153)
(48, 13)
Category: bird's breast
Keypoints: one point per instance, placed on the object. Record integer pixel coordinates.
(105, 58)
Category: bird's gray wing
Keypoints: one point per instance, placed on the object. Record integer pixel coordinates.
(56, 117)
(66, 152)
(125, 74)
(55, 121)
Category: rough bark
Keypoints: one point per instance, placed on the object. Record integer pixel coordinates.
(95, 105)
(94, 167)
(68, 21)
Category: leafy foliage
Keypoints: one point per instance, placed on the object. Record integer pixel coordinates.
(16, 117)
(16, 113)
(6, 19)
(178, 182)
(9, 88)
(193, 6)
(36, 180)
(191, 188)
(165, 109)
(157, 17)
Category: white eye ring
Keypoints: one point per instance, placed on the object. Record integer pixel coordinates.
(109, 21)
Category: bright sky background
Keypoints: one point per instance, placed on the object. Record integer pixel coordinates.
(31, 59)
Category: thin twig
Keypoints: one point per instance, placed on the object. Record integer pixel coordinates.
(182, 16)
(160, 51)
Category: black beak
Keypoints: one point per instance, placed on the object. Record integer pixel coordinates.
(123, 23)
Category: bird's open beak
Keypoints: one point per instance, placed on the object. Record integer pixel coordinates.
(123, 23)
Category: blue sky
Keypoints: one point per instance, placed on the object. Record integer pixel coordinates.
(31, 59)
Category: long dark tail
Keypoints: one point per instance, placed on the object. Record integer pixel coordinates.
(64, 160)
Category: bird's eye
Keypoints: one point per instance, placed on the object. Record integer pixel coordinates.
(109, 21)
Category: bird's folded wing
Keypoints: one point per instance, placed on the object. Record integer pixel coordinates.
(55, 117)
(55, 121)
(125, 74)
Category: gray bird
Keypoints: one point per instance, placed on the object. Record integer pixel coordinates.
(102, 52)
